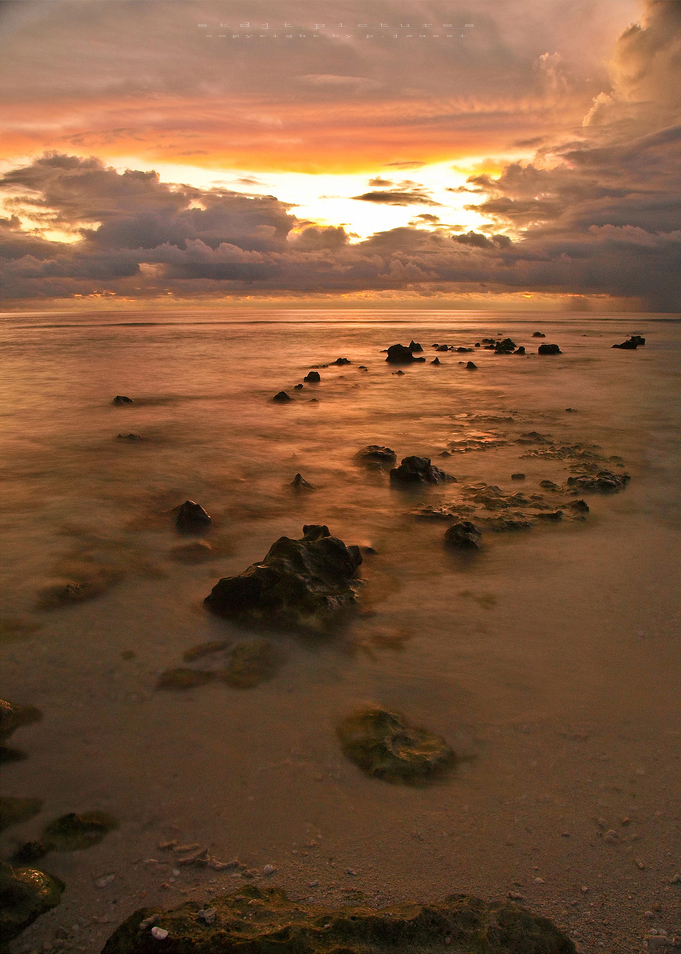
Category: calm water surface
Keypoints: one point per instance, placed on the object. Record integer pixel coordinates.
(552, 658)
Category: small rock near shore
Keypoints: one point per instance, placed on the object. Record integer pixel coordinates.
(191, 516)
(464, 535)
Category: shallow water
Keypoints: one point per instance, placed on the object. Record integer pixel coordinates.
(550, 660)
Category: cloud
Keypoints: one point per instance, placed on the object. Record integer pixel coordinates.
(411, 195)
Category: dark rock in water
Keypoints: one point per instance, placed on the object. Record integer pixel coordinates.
(398, 354)
(13, 716)
(29, 852)
(470, 366)
(16, 810)
(442, 348)
(67, 594)
(263, 920)
(520, 350)
(538, 334)
(129, 437)
(579, 506)
(554, 515)
(414, 346)
(505, 523)
(533, 437)
(517, 476)
(312, 377)
(191, 516)
(507, 346)
(341, 361)
(301, 583)
(489, 341)
(398, 372)
(122, 399)
(298, 387)
(418, 470)
(385, 745)
(374, 455)
(548, 485)
(477, 344)
(74, 832)
(25, 894)
(435, 361)
(251, 662)
(549, 349)
(631, 343)
(363, 367)
(464, 535)
(570, 410)
(603, 482)
(638, 339)
(299, 483)
(282, 398)
(463, 350)
(181, 679)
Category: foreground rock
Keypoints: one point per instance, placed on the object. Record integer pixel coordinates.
(631, 344)
(75, 832)
(299, 483)
(375, 455)
(418, 470)
(121, 399)
(400, 354)
(25, 894)
(603, 482)
(385, 745)
(265, 920)
(549, 349)
(464, 535)
(191, 517)
(300, 583)
(13, 716)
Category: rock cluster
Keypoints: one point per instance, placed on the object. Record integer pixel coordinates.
(418, 470)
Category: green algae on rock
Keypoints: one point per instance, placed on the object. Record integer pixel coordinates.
(25, 894)
(74, 832)
(385, 745)
(302, 583)
(15, 810)
(182, 678)
(255, 921)
(251, 662)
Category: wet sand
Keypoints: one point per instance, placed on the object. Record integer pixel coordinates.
(550, 662)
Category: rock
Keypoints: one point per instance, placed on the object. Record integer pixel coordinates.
(375, 455)
(181, 679)
(299, 483)
(435, 361)
(538, 334)
(298, 387)
(418, 470)
(264, 920)
(517, 476)
(638, 339)
(282, 398)
(25, 894)
(75, 832)
(628, 345)
(553, 515)
(13, 716)
(442, 348)
(206, 649)
(98, 581)
(548, 485)
(197, 552)
(520, 350)
(504, 523)
(571, 410)
(312, 377)
(129, 437)
(470, 366)
(383, 744)
(579, 506)
(301, 583)
(549, 349)
(414, 346)
(603, 482)
(16, 810)
(398, 354)
(251, 662)
(191, 517)
(463, 350)
(29, 852)
(507, 346)
(341, 361)
(398, 372)
(464, 535)
(122, 399)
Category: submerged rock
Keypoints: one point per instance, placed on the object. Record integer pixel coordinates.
(375, 455)
(299, 483)
(418, 470)
(549, 349)
(122, 399)
(264, 920)
(312, 377)
(206, 649)
(191, 517)
(579, 506)
(182, 678)
(16, 810)
(29, 852)
(464, 535)
(399, 354)
(385, 745)
(97, 581)
(196, 552)
(251, 662)
(538, 334)
(129, 437)
(518, 476)
(281, 397)
(13, 716)
(75, 832)
(25, 894)
(603, 482)
(301, 583)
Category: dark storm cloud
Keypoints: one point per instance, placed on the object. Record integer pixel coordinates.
(411, 195)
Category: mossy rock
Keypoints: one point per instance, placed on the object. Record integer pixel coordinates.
(25, 894)
(15, 810)
(385, 745)
(251, 662)
(74, 832)
(13, 716)
(182, 678)
(257, 921)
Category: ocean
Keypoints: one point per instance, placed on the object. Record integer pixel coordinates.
(550, 659)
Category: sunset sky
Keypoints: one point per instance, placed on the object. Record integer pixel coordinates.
(495, 151)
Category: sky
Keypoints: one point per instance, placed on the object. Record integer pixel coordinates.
(504, 152)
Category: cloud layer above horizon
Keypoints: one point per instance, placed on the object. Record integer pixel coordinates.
(573, 158)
